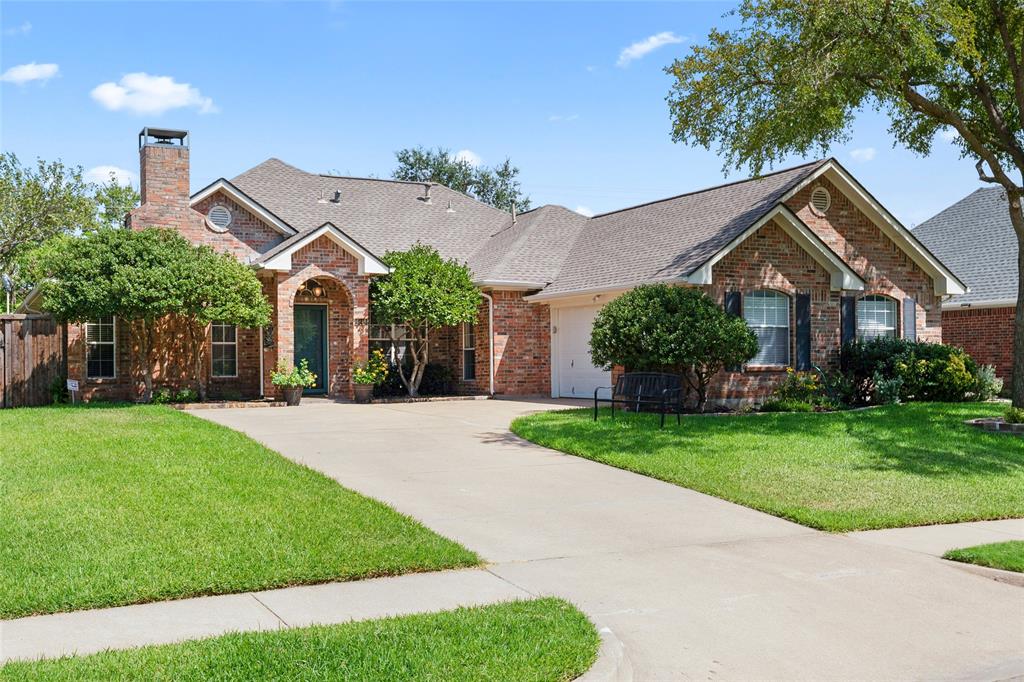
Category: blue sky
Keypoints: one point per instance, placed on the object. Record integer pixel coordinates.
(573, 93)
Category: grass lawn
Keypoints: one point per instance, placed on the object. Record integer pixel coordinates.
(111, 505)
(900, 465)
(543, 639)
(1008, 556)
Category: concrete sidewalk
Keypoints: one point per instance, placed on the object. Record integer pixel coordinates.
(937, 540)
(84, 632)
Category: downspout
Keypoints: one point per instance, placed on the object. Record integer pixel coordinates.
(490, 340)
(262, 351)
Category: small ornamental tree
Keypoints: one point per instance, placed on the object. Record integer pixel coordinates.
(133, 275)
(664, 328)
(216, 287)
(422, 291)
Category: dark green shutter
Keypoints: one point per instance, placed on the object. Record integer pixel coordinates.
(910, 319)
(848, 318)
(803, 332)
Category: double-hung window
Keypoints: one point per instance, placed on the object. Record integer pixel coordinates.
(224, 351)
(101, 348)
(767, 315)
(468, 351)
(876, 316)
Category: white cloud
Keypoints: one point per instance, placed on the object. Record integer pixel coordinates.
(24, 73)
(101, 175)
(469, 156)
(646, 46)
(24, 29)
(559, 118)
(949, 134)
(141, 93)
(863, 154)
(591, 68)
(585, 210)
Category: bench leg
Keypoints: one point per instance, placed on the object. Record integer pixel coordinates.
(595, 409)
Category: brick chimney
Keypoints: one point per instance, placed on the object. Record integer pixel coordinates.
(163, 180)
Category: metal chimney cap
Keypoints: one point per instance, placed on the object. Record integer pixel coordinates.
(163, 137)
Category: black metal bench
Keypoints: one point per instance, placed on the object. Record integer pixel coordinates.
(653, 391)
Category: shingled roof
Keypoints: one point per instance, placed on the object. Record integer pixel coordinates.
(975, 238)
(670, 238)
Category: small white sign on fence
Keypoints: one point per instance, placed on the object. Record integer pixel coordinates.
(73, 385)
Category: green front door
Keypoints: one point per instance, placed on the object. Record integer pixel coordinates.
(311, 342)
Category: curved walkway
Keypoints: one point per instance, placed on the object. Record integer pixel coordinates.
(689, 584)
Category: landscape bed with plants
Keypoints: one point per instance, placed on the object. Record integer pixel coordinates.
(127, 504)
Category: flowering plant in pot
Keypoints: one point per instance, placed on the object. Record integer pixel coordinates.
(368, 374)
(291, 380)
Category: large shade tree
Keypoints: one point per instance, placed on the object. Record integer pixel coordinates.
(422, 292)
(794, 74)
(497, 186)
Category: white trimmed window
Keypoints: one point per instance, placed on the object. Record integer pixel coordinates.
(224, 351)
(767, 315)
(101, 348)
(876, 316)
(468, 351)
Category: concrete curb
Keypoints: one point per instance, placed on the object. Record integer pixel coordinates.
(612, 664)
(997, 574)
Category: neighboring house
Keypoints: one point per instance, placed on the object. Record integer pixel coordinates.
(806, 255)
(975, 238)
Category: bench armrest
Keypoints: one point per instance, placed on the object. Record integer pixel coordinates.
(601, 388)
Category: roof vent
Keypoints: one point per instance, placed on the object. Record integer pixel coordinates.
(336, 199)
(449, 209)
(321, 200)
(820, 200)
(218, 218)
(426, 193)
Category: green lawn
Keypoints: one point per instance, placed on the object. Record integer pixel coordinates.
(901, 465)
(1008, 556)
(543, 639)
(112, 505)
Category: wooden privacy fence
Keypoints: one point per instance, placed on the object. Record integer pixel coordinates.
(33, 355)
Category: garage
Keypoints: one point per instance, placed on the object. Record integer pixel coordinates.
(575, 375)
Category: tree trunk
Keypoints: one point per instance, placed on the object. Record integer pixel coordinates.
(1017, 377)
(146, 351)
(197, 337)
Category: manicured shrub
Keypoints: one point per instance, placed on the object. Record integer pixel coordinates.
(986, 384)
(928, 371)
(671, 329)
(1014, 415)
(887, 391)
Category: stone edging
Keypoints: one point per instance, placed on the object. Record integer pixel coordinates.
(225, 404)
(428, 399)
(996, 425)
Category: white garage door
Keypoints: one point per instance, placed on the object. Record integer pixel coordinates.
(577, 376)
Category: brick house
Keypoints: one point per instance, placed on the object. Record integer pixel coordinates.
(975, 238)
(806, 255)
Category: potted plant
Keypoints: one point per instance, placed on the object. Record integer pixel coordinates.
(368, 374)
(292, 380)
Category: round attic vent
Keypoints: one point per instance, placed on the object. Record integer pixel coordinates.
(218, 218)
(820, 199)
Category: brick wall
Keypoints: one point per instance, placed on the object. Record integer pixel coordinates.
(522, 345)
(985, 333)
(770, 259)
(245, 238)
(871, 254)
(348, 310)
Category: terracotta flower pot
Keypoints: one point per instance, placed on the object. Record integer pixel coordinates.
(292, 396)
(364, 392)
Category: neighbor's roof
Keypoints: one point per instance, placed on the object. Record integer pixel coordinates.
(670, 238)
(975, 238)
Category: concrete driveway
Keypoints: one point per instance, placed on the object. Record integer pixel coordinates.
(693, 587)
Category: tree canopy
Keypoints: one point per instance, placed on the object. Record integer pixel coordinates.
(422, 292)
(656, 327)
(497, 186)
(793, 76)
(50, 199)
